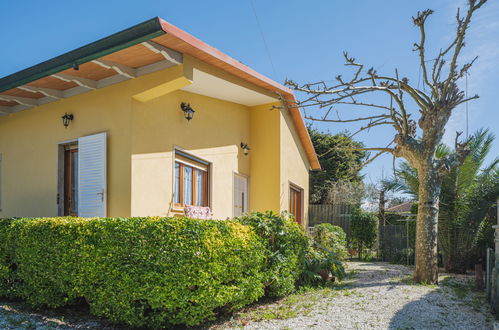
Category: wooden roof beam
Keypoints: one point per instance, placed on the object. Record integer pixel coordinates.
(167, 53)
(53, 93)
(119, 68)
(83, 82)
(21, 100)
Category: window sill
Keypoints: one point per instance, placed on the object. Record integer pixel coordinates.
(177, 209)
(181, 209)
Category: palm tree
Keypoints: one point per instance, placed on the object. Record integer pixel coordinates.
(468, 192)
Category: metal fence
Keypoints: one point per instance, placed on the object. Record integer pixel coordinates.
(396, 243)
(490, 286)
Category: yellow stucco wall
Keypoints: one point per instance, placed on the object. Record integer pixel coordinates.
(213, 135)
(29, 147)
(265, 152)
(294, 164)
(144, 124)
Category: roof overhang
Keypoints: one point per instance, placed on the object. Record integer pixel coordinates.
(210, 85)
(144, 48)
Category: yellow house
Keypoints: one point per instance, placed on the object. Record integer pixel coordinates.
(144, 122)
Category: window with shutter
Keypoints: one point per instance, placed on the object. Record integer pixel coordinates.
(92, 176)
(191, 180)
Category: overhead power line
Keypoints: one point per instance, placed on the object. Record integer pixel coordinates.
(263, 38)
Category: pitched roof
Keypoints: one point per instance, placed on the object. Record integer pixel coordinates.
(137, 50)
(401, 208)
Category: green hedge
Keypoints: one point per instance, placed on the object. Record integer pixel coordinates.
(333, 239)
(139, 271)
(152, 272)
(286, 246)
(363, 229)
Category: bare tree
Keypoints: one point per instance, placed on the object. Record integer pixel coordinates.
(417, 145)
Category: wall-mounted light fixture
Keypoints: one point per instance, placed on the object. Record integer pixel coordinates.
(188, 111)
(246, 148)
(76, 67)
(66, 119)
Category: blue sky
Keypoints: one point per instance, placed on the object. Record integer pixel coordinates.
(305, 42)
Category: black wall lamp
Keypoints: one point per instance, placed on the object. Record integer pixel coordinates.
(188, 111)
(246, 148)
(66, 119)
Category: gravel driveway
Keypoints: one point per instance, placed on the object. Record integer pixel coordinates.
(379, 296)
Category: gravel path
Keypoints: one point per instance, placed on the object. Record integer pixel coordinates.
(380, 296)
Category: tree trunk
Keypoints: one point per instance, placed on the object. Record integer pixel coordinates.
(426, 226)
(381, 222)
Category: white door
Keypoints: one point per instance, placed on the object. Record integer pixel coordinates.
(92, 189)
(240, 195)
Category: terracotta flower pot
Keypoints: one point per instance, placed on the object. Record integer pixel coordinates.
(324, 273)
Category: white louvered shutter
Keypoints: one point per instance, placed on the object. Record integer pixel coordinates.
(92, 188)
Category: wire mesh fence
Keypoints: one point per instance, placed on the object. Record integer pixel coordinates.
(396, 243)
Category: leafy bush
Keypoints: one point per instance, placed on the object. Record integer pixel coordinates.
(333, 239)
(150, 272)
(286, 245)
(6, 262)
(316, 263)
(364, 228)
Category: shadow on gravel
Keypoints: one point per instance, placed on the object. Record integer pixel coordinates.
(391, 275)
(17, 315)
(453, 304)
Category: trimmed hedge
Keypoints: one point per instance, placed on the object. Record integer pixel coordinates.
(139, 271)
(153, 272)
(286, 246)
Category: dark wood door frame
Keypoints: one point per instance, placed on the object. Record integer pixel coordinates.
(296, 202)
(66, 179)
(69, 182)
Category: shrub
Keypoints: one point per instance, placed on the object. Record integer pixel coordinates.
(333, 239)
(286, 245)
(316, 263)
(150, 272)
(6, 262)
(364, 229)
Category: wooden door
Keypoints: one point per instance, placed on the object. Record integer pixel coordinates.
(71, 180)
(296, 202)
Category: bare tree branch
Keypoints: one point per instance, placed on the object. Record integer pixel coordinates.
(420, 21)
(370, 160)
(417, 146)
(348, 120)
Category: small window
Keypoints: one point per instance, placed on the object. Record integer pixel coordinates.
(295, 202)
(191, 180)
